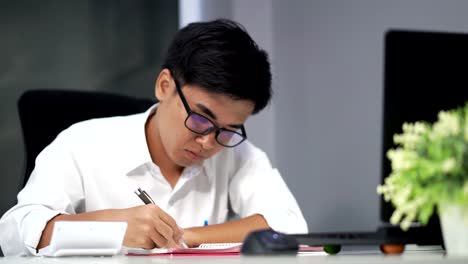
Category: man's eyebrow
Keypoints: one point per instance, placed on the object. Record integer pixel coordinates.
(210, 113)
(207, 111)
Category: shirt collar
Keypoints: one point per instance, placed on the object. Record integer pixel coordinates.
(137, 152)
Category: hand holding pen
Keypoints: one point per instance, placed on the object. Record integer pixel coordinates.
(144, 196)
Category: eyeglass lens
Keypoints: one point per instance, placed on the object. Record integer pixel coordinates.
(201, 125)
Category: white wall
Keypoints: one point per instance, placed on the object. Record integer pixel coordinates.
(323, 129)
(328, 108)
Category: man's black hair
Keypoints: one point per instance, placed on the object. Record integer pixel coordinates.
(221, 57)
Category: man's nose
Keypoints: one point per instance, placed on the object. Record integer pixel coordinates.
(207, 141)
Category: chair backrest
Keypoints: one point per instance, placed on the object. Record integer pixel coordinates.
(44, 114)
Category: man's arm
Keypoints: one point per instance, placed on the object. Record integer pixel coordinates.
(233, 231)
(148, 226)
(258, 188)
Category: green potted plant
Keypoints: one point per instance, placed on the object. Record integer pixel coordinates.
(430, 172)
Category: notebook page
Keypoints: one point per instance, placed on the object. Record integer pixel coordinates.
(218, 245)
(210, 248)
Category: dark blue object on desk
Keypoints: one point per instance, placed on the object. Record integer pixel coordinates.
(269, 242)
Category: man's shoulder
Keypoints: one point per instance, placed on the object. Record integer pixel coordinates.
(100, 130)
(104, 124)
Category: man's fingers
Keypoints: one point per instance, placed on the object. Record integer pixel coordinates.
(178, 234)
(162, 237)
(158, 239)
(164, 229)
(168, 220)
(150, 227)
(176, 231)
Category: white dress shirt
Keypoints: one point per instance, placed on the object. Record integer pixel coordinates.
(99, 163)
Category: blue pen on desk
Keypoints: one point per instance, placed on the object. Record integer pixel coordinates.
(144, 196)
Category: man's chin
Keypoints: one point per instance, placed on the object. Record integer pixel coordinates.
(188, 163)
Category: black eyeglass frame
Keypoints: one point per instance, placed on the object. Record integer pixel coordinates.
(215, 127)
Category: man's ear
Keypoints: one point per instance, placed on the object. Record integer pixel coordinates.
(164, 85)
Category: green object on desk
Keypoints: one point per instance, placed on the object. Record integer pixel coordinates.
(332, 249)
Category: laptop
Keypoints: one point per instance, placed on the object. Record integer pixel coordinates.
(424, 72)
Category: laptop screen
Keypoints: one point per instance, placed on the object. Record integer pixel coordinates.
(424, 72)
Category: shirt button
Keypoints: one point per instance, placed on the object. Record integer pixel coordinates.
(171, 202)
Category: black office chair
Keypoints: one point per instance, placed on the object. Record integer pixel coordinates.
(45, 113)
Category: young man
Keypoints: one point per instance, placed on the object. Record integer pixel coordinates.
(188, 152)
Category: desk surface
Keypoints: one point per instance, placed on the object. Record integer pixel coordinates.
(426, 258)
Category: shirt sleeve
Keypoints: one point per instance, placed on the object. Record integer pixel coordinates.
(51, 190)
(257, 188)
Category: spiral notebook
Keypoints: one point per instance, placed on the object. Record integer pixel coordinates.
(203, 249)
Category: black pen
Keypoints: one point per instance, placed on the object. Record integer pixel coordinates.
(144, 196)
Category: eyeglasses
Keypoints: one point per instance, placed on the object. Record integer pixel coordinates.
(201, 125)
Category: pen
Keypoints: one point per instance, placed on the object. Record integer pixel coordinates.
(144, 196)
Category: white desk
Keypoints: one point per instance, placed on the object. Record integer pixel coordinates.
(426, 258)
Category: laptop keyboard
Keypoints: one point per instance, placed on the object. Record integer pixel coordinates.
(384, 235)
(354, 238)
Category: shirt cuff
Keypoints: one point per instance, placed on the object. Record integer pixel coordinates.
(33, 225)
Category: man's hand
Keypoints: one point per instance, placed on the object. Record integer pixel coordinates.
(148, 226)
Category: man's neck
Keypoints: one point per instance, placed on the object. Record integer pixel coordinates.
(169, 169)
